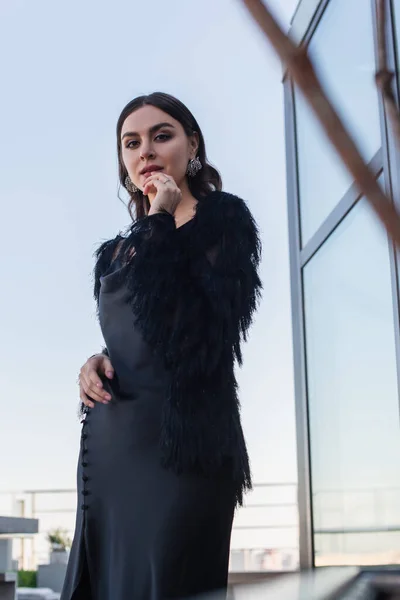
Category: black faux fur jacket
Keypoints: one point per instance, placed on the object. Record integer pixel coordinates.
(193, 294)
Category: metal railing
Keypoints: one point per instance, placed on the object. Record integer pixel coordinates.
(351, 526)
(264, 535)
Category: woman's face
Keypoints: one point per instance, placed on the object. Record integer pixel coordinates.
(149, 136)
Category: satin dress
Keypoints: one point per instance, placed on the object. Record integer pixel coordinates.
(142, 531)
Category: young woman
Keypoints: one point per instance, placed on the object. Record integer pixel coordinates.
(163, 461)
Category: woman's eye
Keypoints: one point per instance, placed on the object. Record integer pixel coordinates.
(162, 136)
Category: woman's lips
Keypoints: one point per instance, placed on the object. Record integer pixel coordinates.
(150, 172)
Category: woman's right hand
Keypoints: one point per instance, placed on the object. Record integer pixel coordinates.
(90, 384)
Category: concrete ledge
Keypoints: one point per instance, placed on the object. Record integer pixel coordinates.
(15, 525)
(51, 576)
(319, 584)
(8, 577)
(239, 577)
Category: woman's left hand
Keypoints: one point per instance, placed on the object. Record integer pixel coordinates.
(168, 195)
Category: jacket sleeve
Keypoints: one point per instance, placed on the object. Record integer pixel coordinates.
(193, 295)
(195, 303)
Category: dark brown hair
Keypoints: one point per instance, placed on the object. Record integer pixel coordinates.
(204, 182)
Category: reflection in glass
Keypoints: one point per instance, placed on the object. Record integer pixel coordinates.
(342, 51)
(353, 396)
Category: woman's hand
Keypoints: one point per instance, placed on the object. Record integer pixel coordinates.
(168, 195)
(90, 384)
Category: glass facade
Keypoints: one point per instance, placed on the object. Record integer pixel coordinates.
(346, 70)
(396, 18)
(352, 392)
(345, 307)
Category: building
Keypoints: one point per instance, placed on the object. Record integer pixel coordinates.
(345, 297)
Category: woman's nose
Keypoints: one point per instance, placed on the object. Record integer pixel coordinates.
(146, 152)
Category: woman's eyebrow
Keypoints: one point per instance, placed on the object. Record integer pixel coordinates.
(152, 129)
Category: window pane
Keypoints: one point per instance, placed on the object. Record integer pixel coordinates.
(342, 51)
(396, 7)
(353, 396)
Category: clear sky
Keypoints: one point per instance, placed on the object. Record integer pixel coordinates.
(68, 68)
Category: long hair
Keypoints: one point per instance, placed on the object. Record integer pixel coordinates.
(205, 181)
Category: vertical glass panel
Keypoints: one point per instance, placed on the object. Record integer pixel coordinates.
(396, 8)
(342, 50)
(353, 396)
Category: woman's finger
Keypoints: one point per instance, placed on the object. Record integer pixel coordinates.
(94, 382)
(93, 391)
(84, 398)
(150, 182)
(90, 393)
(92, 369)
(162, 177)
(156, 177)
(107, 368)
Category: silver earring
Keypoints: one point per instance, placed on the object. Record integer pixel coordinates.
(193, 167)
(130, 186)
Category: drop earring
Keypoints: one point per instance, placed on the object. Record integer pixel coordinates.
(193, 167)
(130, 186)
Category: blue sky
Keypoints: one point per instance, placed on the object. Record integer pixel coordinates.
(68, 68)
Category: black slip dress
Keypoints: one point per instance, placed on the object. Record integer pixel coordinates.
(142, 531)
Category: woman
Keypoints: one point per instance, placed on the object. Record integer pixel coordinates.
(163, 461)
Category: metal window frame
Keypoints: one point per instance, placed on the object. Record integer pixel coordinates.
(386, 160)
(306, 538)
(391, 170)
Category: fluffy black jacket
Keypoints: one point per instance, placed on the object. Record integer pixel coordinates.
(193, 293)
